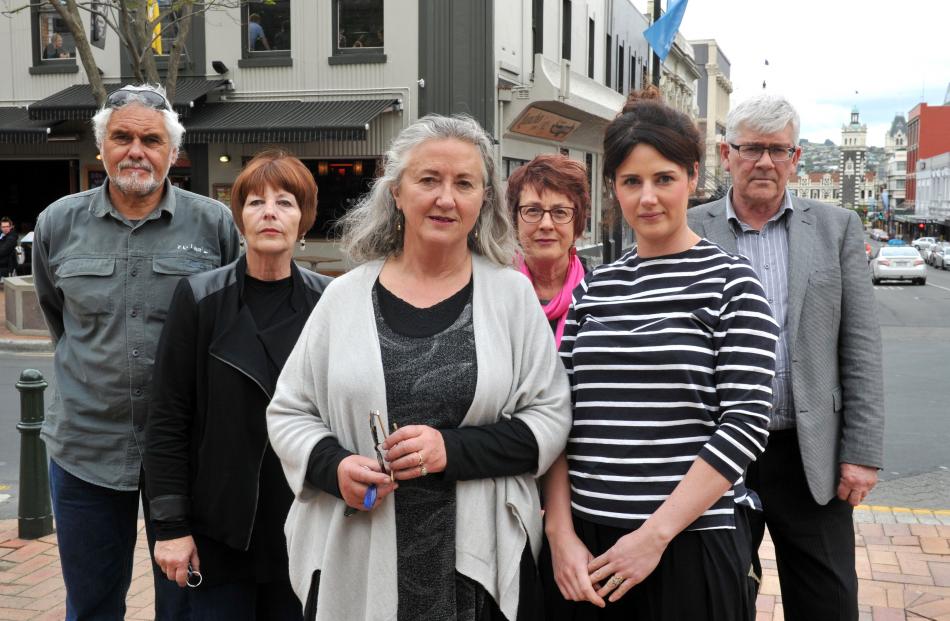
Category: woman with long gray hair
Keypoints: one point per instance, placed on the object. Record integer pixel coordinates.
(423, 398)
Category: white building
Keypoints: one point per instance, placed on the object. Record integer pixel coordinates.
(713, 91)
(337, 80)
(933, 190)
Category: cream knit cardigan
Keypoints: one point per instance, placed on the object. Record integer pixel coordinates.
(331, 381)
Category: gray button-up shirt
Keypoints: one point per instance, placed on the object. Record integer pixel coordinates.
(104, 284)
(767, 250)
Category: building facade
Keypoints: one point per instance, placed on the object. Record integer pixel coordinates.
(933, 196)
(333, 81)
(713, 91)
(928, 135)
(895, 162)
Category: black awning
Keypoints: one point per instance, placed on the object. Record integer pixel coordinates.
(77, 102)
(17, 128)
(283, 121)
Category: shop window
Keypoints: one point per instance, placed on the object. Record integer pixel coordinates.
(358, 33)
(54, 48)
(265, 34)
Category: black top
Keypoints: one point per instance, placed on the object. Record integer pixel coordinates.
(501, 449)
(209, 468)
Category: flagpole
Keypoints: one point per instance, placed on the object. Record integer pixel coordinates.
(656, 58)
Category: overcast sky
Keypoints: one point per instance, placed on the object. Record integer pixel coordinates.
(883, 56)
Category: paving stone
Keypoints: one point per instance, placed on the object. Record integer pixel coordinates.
(882, 613)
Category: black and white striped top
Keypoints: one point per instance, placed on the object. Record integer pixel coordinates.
(670, 358)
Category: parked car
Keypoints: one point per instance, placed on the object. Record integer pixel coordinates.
(923, 242)
(879, 235)
(940, 256)
(898, 263)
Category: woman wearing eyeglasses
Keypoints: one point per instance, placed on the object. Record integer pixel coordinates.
(671, 352)
(436, 333)
(219, 496)
(549, 198)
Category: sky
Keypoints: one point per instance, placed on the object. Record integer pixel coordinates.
(827, 56)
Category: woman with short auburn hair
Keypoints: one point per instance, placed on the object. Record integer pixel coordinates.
(219, 497)
(549, 199)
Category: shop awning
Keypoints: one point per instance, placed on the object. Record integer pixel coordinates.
(283, 121)
(17, 128)
(77, 102)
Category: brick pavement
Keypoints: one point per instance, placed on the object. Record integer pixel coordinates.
(903, 566)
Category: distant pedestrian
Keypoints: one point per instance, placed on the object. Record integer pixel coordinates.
(827, 423)
(8, 239)
(255, 33)
(105, 264)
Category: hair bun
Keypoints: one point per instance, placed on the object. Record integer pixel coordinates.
(651, 93)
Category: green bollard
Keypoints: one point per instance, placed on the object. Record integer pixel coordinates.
(35, 512)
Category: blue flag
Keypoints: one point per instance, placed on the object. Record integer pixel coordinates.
(661, 34)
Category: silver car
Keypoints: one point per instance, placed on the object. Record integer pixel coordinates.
(898, 263)
(940, 255)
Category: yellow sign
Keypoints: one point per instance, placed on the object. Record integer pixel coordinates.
(543, 124)
(154, 17)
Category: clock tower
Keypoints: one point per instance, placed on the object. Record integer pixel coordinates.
(853, 160)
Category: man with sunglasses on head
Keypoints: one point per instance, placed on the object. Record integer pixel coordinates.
(105, 264)
(826, 431)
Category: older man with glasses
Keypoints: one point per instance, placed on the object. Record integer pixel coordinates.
(827, 424)
(105, 264)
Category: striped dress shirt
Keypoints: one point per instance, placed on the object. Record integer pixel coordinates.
(767, 250)
(669, 358)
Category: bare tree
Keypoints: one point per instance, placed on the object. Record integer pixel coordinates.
(138, 32)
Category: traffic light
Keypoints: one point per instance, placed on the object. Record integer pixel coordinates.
(921, 226)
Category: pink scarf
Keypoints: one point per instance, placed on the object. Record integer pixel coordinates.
(557, 307)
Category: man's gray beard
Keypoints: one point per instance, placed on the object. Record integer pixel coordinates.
(131, 185)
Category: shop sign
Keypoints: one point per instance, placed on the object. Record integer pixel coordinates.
(543, 124)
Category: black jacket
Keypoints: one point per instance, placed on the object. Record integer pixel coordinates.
(8, 254)
(206, 433)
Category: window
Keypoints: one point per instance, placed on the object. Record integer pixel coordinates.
(566, 29)
(607, 53)
(620, 59)
(358, 31)
(510, 165)
(590, 48)
(589, 163)
(633, 72)
(537, 26)
(54, 48)
(265, 33)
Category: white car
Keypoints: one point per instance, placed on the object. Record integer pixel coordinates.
(879, 235)
(922, 243)
(940, 255)
(898, 263)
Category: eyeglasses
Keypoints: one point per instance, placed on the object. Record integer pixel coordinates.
(123, 96)
(532, 214)
(754, 152)
(378, 430)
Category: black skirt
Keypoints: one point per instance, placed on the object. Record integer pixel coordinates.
(702, 576)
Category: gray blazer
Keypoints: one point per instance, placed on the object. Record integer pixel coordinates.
(833, 336)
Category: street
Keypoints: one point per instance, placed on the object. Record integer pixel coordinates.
(915, 324)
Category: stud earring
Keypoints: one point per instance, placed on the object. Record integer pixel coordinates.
(303, 242)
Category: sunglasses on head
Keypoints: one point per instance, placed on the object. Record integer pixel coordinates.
(123, 96)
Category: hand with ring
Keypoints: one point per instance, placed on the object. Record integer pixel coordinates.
(415, 451)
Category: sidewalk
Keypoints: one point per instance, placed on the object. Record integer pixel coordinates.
(903, 565)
